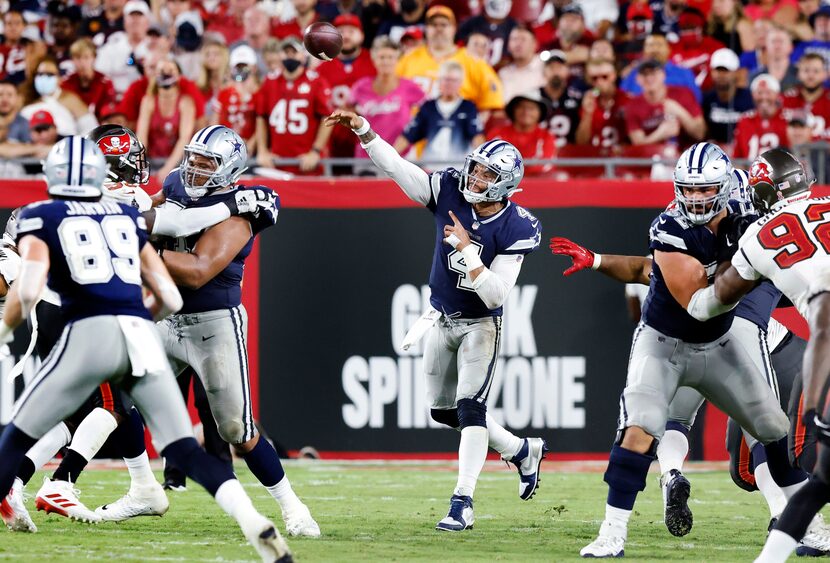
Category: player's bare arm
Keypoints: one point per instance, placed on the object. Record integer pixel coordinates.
(816, 367)
(683, 274)
(164, 298)
(212, 253)
(626, 269)
(26, 290)
(730, 287)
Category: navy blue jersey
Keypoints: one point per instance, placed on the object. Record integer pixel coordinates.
(513, 230)
(757, 305)
(94, 250)
(225, 289)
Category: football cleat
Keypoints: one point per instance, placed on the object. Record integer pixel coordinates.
(816, 542)
(18, 520)
(527, 462)
(60, 497)
(299, 522)
(604, 546)
(139, 501)
(460, 517)
(267, 541)
(677, 515)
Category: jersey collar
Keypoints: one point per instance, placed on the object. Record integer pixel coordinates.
(492, 217)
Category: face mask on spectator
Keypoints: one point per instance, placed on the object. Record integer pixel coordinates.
(167, 80)
(291, 65)
(409, 6)
(46, 84)
(241, 73)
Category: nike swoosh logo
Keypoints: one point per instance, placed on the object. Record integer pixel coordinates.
(207, 337)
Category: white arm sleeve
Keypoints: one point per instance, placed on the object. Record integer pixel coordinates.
(413, 181)
(493, 285)
(173, 221)
(704, 304)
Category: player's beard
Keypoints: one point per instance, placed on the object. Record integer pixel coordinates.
(348, 52)
(812, 90)
(556, 82)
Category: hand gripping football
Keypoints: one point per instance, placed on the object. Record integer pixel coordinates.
(323, 41)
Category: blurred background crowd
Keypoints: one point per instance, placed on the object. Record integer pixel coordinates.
(563, 80)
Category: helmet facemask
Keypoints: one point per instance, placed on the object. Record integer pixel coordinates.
(701, 210)
(499, 184)
(198, 180)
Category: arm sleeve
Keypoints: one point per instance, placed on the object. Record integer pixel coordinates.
(704, 304)
(172, 221)
(413, 181)
(493, 285)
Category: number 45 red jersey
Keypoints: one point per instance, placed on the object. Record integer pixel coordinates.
(790, 247)
(294, 110)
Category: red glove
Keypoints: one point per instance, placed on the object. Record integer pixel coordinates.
(581, 256)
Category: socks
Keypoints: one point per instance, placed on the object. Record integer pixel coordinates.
(616, 521)
(284, 494)
(231, 497)
(141, 475)
(502, 440)
(786, 477)
(472, 452)
(779, 547)
(264, 463)
(198, 465)
(672, 451)
(14, 443)
(772, 493)
(45, 449)
(71, 467)
(802, 508)
(130, 435)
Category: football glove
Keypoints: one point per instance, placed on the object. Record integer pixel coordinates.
(253, 201)
(581, 256)
(730, 230)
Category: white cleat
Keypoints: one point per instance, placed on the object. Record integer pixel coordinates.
(267, 541)
(61, 497)
(20, 520)
(816, 542)
(139, 501)
(528, 462)
(299, 522)
(609, 543)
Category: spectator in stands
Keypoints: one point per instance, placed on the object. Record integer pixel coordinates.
(572, 39)
(330, 10)
(411, 13)
(256, 34)
(215, 69)
(95, 89)
(728, 24)
(373, 14)
(810, 97)
(763, 128)
(64, 22)
(819, 42)
(779, 47)
(602, 118)
(725, 102)
(42, 130)
(290, 112)
(169, 114)
(169, 11)
(227, 20)
(481, 84)
(602, 49)
(600, 16)
(15, 139)
(110, 21)
(71, 115)
(386, 100)
(305, 14)
(235, 104)
(188, 40)
(18, 54)
(799, 132)
(449, 124)
(802, 29)
(693, 48)
(271, 56)
(751, 60)
(799, 139)
(656, 48)
(495, 23)
(478, 46)
(782, 12)
(412, 38)
(352, 64)
(662, 113)
(120, 56)
(526, 71)
(638, 26)
(665, 20)
(564, 96)
(527, 113)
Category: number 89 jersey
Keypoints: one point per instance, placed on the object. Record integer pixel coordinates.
(790, 247)
(511, 231)
(93, 253)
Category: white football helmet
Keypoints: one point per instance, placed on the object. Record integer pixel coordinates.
(75, 168)
(504, 160)
(225, 148)
(703, 165)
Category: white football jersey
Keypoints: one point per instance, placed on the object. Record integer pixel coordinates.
(790, 247)
(9, 269)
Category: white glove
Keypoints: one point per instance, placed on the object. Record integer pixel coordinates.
(128, 194)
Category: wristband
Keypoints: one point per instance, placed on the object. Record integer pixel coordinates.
(363, 129)
(597, 261)
(315, 149)
(453, 240)
(471, 257)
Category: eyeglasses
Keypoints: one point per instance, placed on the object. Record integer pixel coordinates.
(599, 77)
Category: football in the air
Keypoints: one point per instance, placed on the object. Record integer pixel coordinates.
(323, 41)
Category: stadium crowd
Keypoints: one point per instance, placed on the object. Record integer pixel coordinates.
(563, 78)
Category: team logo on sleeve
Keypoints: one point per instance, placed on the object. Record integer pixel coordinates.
(115, 144)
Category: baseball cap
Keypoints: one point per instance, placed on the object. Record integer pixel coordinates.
(798, 118)
(767, 80)
(243, 55)
(649, 64)
(724, 58)
(440, 11)
(41, 118)
(554, 55)
(572, 8)
(348, 19)
(413, 32)
(291, 41)
(137, 6)
(823, 11)
(639, 10)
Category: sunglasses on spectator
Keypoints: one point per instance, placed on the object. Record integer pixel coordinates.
(599, 77)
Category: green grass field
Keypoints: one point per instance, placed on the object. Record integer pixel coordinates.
(387, 513)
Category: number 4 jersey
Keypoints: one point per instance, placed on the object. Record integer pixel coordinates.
(93, 253)
(511, 231)
(790, 247)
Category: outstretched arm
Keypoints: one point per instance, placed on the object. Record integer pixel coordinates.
(174, 221)
(164, 298)
(627, 269)
(413, 180)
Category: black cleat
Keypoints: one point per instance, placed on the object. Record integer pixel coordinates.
(676, 490)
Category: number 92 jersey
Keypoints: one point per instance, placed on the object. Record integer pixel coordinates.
(93, 253)
(511, 231)
(790, 247)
